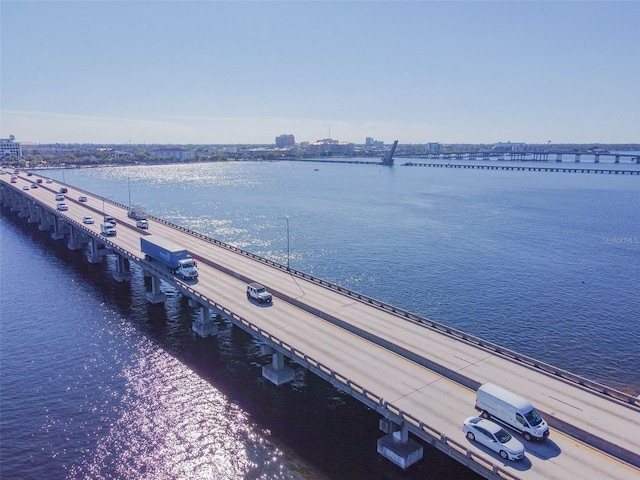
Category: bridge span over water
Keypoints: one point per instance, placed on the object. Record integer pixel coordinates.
(419, 375)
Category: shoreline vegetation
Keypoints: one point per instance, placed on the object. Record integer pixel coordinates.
(88, 155)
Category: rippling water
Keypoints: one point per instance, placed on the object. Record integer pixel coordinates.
(96, 383)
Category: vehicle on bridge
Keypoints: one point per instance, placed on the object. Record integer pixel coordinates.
(493, 436)
(143, 223)
(109, 220)
(512, 410)
(175, 257)
(137, 212)
(258, 293)
(107, 230)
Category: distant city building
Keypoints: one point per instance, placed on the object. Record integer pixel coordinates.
(284, 141)
(434, 148)
(174, 153)
(37, 149)
(9, 147)
(509, 147)
(371, 142)
(329, 146)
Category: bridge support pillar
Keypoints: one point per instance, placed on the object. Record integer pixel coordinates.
(277, 373)
(76, 239)
(397, 447)
(617, 160)
(155, 295)
(596, 158)
(24, 207)
(34, 213)
(58, 228)
(15, 202)
(45, 221)
(96, 251)
(577, 158)
(558, 157)
(122, 273)
(204, 325)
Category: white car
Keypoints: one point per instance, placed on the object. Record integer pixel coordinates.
(63, 206)
(493, 436)
(142, 224)
(87, 219)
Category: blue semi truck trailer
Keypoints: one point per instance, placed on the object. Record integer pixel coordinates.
(175, 257)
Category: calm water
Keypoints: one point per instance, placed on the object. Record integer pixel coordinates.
(96, 383)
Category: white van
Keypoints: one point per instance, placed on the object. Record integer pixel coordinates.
(512, 410)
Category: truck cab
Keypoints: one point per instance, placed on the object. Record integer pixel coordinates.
(187, 269)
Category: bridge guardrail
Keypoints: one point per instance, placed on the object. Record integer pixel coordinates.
(605, 391)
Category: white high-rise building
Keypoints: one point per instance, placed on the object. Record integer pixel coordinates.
(9, 147)
(284, 141)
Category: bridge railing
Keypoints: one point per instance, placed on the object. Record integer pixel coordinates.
(531, 362)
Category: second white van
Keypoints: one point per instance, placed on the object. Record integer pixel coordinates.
(512, 410)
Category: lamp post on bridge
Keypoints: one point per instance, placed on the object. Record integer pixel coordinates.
(288, 244)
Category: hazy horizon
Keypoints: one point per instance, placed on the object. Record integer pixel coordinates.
(208, 72)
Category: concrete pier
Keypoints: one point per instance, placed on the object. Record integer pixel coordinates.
(96, 251)
(76, 240)
(122, 273)
(58, 228)
(45, 221)
(34, 213)
(277, 373)
(204, 325)
(155, 295)
(397, 447)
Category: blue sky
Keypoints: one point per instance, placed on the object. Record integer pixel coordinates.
(244, 72)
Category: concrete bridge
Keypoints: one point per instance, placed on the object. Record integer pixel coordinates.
(418, 374)
(537, 156)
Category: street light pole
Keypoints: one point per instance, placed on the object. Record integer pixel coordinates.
(288, 250)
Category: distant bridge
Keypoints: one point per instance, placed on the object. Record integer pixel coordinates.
(529, 168)
(531, 156)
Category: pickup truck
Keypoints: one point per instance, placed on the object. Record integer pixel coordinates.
(107, 229)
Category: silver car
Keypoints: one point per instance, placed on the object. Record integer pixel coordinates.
(493, 436)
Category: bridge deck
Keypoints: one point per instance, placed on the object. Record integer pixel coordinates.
(387, 354)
